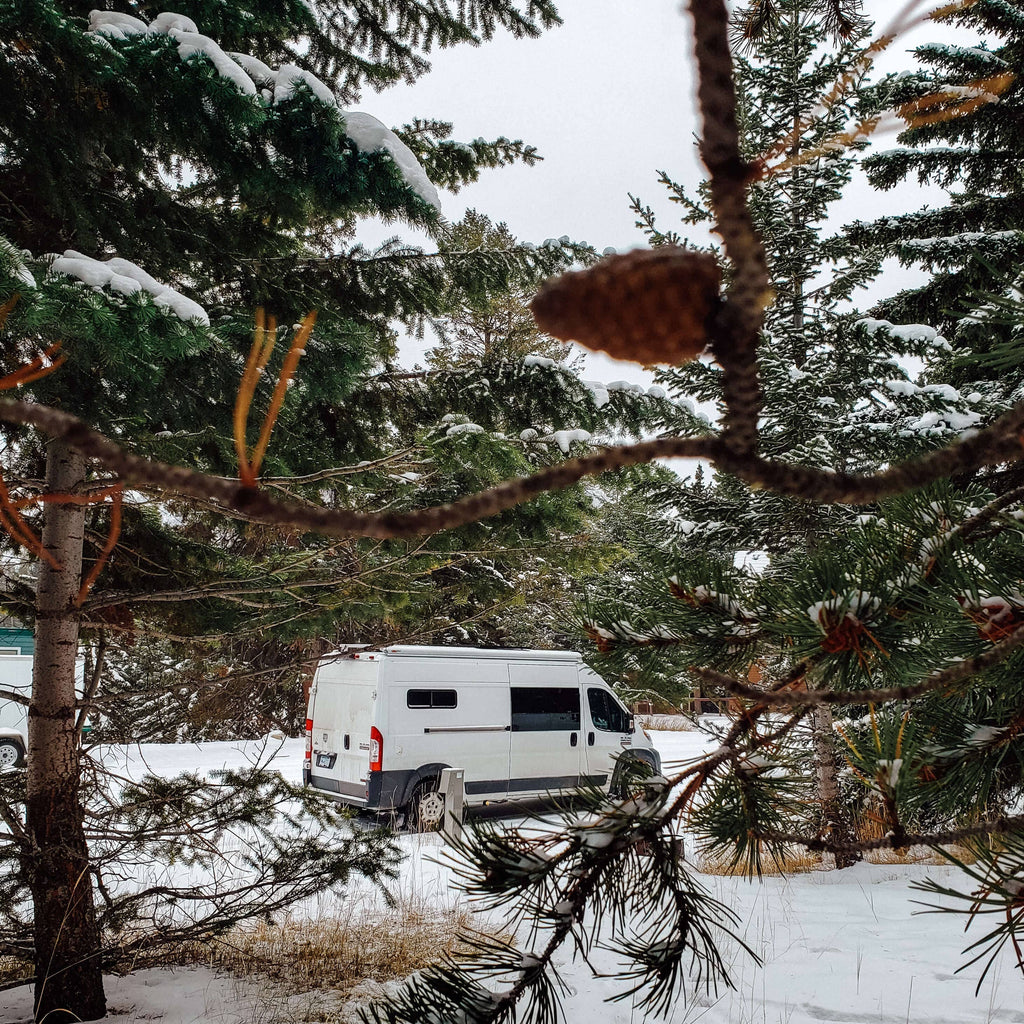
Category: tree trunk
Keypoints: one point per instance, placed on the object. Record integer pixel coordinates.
(69, 980)
(836, 823)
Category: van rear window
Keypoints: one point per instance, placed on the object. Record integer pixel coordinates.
(431, 698)
(545, 708)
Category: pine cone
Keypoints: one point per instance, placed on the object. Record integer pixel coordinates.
(649, 306)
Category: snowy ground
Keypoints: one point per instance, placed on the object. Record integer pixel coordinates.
(843, 947)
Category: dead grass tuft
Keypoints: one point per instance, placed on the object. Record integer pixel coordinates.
(13, 969)
(798, 861)
(666, 723)
(871, 824)
(794, 862)
(918, 855)
(336, 953)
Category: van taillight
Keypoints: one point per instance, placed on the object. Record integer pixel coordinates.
(376, 746)
(309, 739)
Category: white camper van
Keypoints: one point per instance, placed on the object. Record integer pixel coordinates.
(16, 676)
(382, 725)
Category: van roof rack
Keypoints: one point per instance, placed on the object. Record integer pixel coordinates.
(506, 654)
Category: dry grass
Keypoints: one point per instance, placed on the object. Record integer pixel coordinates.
(799, 861)
(794, 862)
(871, 824)
(323, 969)
(667, 723)
(12, 969)
(335, 953)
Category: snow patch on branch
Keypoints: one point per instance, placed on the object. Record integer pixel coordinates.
(962, 237)
(12, 260)
(889, 772)
(251, 77)
(191, 44)
(984, 736)
(565, 439)
(904, 332)
(125, 278)
(599, 392)
(114, 25)
(852, 605)
(463, 428)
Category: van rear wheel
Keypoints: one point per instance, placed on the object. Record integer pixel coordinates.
(11, 754)
(426, 808)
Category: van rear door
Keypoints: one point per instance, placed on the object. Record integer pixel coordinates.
(344, 701)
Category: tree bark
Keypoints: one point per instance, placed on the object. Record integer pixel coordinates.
(69, 980)
(836, 824)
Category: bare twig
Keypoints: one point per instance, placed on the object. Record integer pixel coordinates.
(741, 317)
(977, 522)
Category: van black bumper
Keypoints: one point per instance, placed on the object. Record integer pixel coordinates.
(382, 791)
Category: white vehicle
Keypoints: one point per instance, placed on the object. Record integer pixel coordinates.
(382, 725)
(15, 676)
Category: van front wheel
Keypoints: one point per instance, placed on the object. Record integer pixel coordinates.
(426, 808)
(629, 776)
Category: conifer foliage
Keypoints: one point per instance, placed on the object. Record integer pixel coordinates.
(162, 175)
(971, 244)
(896, 603)
(919, 601)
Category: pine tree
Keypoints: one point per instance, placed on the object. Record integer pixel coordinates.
(910, 609)
(906, 606)
(972, 149)
(819, 367)
(237, 179)
(495, 327)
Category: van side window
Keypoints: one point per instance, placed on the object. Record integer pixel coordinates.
(545, 708)
(431, 698)
(606, 712)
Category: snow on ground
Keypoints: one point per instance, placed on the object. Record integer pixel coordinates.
(842, 947)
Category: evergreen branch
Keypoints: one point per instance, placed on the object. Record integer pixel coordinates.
(574, 877)
(996, 826)
(700, 772)
(940, 680)
(971, 526)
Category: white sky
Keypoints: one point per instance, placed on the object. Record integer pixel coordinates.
(608, 100)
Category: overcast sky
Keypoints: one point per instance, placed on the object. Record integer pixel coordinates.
(608, 100)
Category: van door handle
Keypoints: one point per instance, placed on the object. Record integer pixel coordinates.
(347, 741)
(590, 739)
(573, 739)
